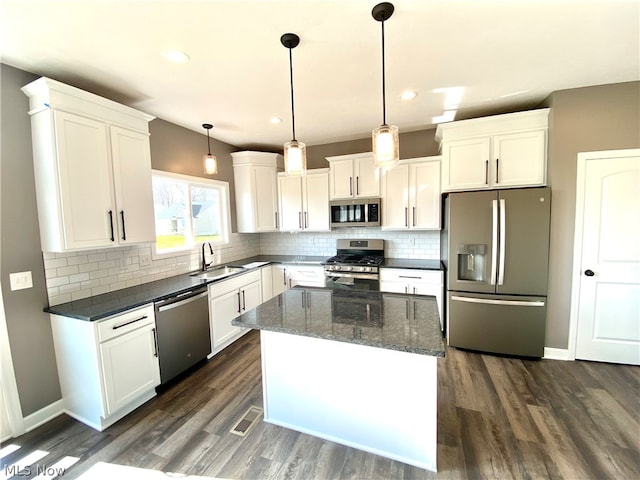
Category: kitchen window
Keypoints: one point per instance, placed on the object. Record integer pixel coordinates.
(189, 211)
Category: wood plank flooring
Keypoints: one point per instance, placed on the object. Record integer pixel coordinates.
(499, 418)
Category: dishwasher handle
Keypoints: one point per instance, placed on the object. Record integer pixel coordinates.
(181, 299)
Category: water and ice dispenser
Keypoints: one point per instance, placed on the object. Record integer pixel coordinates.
(471, 262)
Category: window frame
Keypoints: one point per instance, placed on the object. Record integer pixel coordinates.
(225, 210)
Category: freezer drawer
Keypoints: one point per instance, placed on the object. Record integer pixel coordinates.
(498, 324)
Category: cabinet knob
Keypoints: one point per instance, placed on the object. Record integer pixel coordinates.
(589, 273)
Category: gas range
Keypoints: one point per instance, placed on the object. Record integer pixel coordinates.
(356, 259)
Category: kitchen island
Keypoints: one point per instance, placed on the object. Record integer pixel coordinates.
(355, 367)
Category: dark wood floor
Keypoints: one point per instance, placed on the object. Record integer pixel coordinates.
(499, 418)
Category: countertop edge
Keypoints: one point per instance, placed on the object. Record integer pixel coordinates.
(301, 333)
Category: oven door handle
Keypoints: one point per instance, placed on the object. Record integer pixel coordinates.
(366, 276)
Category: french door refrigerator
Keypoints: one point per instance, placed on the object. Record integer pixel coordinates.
(497, 259)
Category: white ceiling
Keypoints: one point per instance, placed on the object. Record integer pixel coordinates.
(500, 55)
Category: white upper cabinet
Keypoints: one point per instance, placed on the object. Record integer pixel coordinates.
(353, 176)
(502, 151)
(411, 195)
(304, 201)
(255, 178)
(92, 167)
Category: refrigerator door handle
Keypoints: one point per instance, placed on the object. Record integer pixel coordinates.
(494, 242)
(521, 303)
(503, 240)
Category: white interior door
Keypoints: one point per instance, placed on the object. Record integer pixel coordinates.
(606, 303)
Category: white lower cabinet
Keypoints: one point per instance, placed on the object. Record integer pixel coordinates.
(229, 299)
(107, 368)
(288, 275)
(417, 282)
(305, 275)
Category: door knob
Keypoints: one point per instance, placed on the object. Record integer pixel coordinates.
(589, 273)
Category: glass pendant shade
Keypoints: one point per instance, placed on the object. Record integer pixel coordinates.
(295, 158)
(386, 146)
(210, 164)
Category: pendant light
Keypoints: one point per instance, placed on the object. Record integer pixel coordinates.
(386, 149)
(210, 161)
(295, 152)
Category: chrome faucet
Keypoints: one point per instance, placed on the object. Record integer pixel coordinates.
(206, 265)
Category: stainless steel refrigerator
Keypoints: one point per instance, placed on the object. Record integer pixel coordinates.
(497, 260)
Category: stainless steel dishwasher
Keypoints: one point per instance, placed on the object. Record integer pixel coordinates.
(182, 326)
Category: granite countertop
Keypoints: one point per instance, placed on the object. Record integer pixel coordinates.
(107, 304)
(101, 306)
(408, 323)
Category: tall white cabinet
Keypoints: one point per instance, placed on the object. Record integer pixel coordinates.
(501, 151)
(304, 201)
(411, 195)
(255, 178)
(92, 167)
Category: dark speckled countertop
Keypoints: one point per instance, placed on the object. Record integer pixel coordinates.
(112, 303)
(408, 323)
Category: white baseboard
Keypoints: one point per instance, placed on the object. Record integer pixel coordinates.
(43, 415)
(557, 354)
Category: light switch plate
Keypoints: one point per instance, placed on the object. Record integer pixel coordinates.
(20, 280)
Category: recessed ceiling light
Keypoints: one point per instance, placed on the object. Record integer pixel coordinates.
(409, 95)
(176, 56)
(275, 120)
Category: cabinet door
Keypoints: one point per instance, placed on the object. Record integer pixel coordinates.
(279, 279)
(290, 191)
(367, 181)
(316, 202)
(86, 197)
(430, 289)
(341, 179)
(266, 198)
(266, 279)
(519, 159)
(129, 367)
(223, 309)
(132, 180)
(251, 296)
(465, 164)
(424, 189)
(395, 198)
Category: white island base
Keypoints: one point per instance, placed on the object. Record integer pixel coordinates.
(374, 399)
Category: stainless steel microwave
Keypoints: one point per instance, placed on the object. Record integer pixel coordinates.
(357, 212)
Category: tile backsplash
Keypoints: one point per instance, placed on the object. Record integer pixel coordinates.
(75, 275)
(417, 244)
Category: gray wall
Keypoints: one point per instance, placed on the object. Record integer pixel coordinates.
(604, 117)
(29, 328)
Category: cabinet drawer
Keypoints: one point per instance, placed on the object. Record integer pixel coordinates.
(410, 275)
(225, 286)
(125, 322)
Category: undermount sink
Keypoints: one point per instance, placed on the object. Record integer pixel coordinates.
(217, 272)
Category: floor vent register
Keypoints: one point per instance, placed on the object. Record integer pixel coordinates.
(248, 420)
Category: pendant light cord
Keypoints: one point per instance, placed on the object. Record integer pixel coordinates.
(293, 115)
(208, 144)
(384, 100)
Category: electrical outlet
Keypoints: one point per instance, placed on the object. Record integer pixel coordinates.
(145, 260)
(20, 280)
